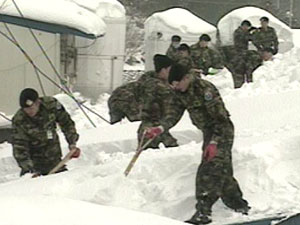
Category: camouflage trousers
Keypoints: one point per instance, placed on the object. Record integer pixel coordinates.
(166, 138)
(215, 179)
(47, 157)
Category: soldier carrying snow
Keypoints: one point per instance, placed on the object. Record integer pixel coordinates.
(36, 145)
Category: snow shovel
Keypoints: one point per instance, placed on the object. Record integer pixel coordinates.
(137, 154)
(63, 161)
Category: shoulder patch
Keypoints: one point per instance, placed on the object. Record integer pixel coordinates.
(208, 96)
(58, 105)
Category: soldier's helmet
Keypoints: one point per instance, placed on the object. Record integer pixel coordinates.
(184, 47)
(246, 23)
(264, 19)
(27, 97)
(175, 38)
(161, 61)
(205, 37)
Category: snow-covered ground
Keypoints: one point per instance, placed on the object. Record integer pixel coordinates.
(160, 188)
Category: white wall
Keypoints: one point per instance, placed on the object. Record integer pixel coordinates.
(16, 73)
(100, 63)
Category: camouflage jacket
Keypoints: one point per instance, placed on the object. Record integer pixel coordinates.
(265, 38)
(33, 138)
(241, 39)
(206, 109)
(159, 101)
(204, 58)
(172, 53)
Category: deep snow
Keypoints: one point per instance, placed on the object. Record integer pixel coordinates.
(266, 162)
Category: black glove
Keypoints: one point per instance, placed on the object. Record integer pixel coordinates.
(275, 50)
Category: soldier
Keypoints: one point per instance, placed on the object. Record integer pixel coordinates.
(204, 57)
(241, 36)
(243, 61)
(36, 145)
(156, 94)
(265, 36)
(124, 102)
(207, 111)
(172, 51)
(185, 58)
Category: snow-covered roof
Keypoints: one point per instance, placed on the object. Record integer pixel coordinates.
(233, 19)
(187, 24)
(62, 12)
(111, 9)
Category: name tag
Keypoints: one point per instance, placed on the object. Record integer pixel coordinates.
(49, 134)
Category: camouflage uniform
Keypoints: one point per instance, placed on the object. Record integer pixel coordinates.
(36, 145)
(265, 39)
(158, 101)
(242, 61)
(214, 178)
(124, 102)
(172, 53)
(204, 58)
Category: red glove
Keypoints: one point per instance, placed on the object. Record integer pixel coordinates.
(210, 152)
(152, 132)
(76, 154)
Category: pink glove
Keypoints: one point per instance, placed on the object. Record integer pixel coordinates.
(210, 152)
(152, 132)
(76, 154)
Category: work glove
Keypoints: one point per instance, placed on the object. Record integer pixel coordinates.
(76, 154)
(153, 132)
(210, 152)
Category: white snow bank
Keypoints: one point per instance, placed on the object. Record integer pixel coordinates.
(54, 11)
(161, 26)
(233, 19)
(187, 24)
(112, 9)
(66, 211)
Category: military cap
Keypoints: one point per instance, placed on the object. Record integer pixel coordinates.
(27, 97)
(246, 23)
(177, 72)
(176, 38)
(204, 37)
(161, 61)
(184, 47)
(264, 19)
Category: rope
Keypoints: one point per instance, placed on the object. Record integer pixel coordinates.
(52, 81)
(62, 81)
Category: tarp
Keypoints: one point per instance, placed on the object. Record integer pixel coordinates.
(233, 19)
(55, 16)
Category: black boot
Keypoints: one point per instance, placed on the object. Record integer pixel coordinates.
(199, 218)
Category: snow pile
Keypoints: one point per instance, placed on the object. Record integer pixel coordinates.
(265, 158)
(53, 11)
(161, 26)
(104, 8)
(188, 23)
(233, 19)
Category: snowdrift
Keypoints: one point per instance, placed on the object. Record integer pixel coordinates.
(161, 26)
(233, 19)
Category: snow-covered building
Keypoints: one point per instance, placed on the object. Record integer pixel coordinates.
(161, 26)
(16, 72)
(100, 62)
(233, 19)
